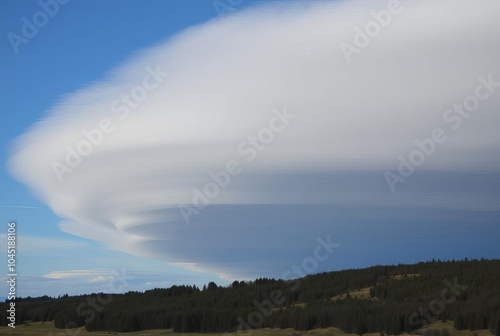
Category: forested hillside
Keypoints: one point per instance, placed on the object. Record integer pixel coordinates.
(390, 299)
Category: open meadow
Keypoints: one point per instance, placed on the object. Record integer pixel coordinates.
(48, 329)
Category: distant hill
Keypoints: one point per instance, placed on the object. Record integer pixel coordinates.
(379, 299)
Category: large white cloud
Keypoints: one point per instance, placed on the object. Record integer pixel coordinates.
(225, 81)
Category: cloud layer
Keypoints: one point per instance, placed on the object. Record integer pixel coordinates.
(181, 111)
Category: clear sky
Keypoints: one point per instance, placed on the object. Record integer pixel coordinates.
(329, 169)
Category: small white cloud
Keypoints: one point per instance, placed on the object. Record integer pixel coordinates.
(84, 275)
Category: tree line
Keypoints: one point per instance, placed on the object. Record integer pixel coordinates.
(401, 298)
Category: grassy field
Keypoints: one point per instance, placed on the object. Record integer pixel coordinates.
(48, 329)
(363, 293)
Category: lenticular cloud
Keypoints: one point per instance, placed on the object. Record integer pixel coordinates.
(201, 151)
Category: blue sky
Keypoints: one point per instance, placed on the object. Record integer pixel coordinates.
(324, 172)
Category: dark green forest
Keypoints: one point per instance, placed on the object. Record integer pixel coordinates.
(401, 298)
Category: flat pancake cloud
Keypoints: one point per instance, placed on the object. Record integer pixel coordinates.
(118, 157)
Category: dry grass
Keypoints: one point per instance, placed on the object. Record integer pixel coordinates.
(48, 329)
(404, 276)
(454, 332)
(362, 293)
